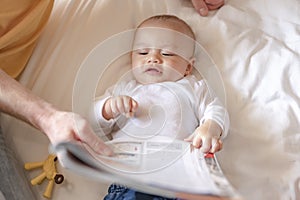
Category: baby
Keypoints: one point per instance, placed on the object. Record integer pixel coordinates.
(164, 98)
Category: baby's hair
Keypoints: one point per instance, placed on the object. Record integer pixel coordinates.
(165, 17)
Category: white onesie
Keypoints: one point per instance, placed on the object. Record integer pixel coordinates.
(172, 109)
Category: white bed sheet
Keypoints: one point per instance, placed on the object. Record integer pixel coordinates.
(255, 45)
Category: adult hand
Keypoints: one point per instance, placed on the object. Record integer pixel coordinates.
(203, 6)
(67, 126)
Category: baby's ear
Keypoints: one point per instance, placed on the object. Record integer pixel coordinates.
(189, 67)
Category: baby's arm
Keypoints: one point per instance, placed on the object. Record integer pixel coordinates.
(115, 106)
(207, 137)
(213, 120)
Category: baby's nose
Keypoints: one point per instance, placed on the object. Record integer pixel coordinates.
(154, 58)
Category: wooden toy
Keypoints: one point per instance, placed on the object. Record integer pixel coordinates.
(49, 171)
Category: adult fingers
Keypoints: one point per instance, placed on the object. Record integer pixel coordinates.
(214, 4)
(96, 144)
(86, 134)
(200, 7)
(213, 7)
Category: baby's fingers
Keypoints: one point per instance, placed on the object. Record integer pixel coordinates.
(131, 107)
(113, 106)
(190, 138)
(121, 104)
(126, 105)
(217, 145)
(211, 145)
(134, 106)
(206, 145)
(197, 141)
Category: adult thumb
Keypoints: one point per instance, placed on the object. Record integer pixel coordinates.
(200, 7)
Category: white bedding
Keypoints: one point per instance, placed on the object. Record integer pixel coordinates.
(255, 45)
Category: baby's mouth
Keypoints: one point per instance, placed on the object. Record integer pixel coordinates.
(153, 71)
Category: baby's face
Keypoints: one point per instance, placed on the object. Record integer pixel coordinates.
(161, 54)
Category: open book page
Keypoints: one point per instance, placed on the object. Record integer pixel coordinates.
(159, 165)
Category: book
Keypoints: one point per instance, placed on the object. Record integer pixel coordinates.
(159, 166)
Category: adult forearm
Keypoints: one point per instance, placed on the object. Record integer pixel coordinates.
(18, 101)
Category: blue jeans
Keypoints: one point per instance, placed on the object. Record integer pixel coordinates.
(119, 192)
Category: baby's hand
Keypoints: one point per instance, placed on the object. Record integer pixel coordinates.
(207, 137)
(115, 106)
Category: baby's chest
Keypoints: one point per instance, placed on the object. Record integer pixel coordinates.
(160, 99)
(162, 111)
